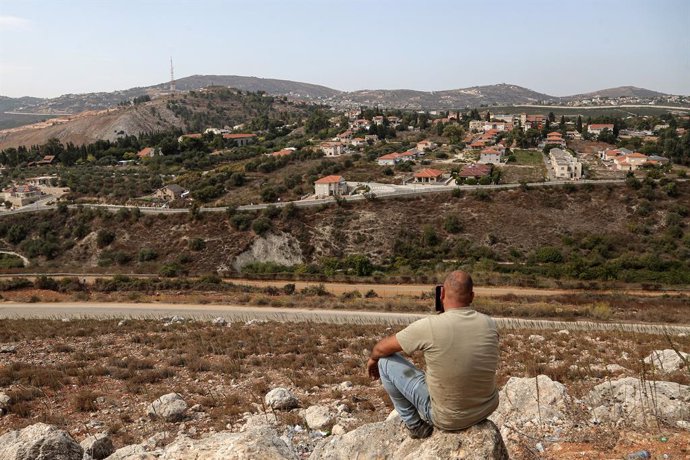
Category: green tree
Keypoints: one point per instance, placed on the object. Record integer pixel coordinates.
(578, 124)
(454, 133)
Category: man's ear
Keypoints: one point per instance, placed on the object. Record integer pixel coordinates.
(471, 296)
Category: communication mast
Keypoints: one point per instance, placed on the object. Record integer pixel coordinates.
(172, 76)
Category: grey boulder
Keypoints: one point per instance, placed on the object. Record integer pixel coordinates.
(633, 402)
(39, 442)
(389, 440)
(170, 407)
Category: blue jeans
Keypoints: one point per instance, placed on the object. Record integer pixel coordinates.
(406, 386)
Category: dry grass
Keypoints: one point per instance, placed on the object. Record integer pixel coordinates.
(228, 370)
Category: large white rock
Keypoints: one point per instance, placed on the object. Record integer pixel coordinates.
(319, 417)
(170, 407)
(389, 440)
(97, 446)
(39, 442)
(535, 401)
(281, 398)
(632, 402)
(667, 360)
(257, 443)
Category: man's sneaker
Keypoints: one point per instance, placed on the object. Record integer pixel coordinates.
(421, 430)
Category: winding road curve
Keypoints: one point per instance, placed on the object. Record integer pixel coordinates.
(247, 313)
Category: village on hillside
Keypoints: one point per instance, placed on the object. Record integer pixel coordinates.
(360, 151)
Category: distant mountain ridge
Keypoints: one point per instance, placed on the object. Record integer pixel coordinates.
(621, 91)
(498, 94)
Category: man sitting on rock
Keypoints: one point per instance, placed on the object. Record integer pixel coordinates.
(461, 353)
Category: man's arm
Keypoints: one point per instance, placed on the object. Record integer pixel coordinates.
(385, 347)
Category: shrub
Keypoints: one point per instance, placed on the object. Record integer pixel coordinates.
(147, 254)
(170, 270)
(43, 282)
(197, 244)
(85, 401)
(601, 311)
(16, 234)
(105, 238)
(548, 254)
(241, 221)
(271, 211)
(452, 224)
(261, 225)
(289, 211)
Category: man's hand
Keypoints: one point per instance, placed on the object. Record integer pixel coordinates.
(385, 347)
(373, 369)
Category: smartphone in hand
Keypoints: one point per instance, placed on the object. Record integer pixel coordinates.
(438, 300)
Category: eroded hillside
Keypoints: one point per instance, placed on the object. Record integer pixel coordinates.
(587, 233)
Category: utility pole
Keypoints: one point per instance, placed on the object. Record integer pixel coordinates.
(172, 77)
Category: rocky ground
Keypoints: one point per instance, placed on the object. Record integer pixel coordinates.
(179, 389)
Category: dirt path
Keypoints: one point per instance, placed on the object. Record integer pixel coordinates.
(247, 313)
(382, 290)
(26, 261)
(392, 290)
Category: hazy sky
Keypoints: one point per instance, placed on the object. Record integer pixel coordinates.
(53, 47)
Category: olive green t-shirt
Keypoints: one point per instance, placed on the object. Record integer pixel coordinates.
(461, 352)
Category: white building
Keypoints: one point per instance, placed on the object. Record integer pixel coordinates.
(565, 165)
(330, 186)
(332, 149)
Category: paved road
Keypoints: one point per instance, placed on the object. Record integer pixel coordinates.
(246, 313)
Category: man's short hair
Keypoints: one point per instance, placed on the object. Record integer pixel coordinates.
(460, 283)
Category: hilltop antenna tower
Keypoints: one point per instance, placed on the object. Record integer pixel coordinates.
(172, 76)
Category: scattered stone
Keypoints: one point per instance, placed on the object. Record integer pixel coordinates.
(170, 407)
(667, 360)
(170, 320)
(344, 386)
(8, 349)
(39, 442)
(196, 408)
(338, 430)
(615, 368)
(342, 409)
(97, 447)
(683, 425)
(630, 401)
(219, 321)
(536, 338)
(393, 415)
(388, 440)
(319, 417)
(122, 322)
(563, 332)
(281, 399)
(5, 401)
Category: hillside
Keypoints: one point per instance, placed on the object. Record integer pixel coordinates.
(180, 111)
(253, 84)
(456, 98)
(475, 96)
(621, 91)
(585, 233)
